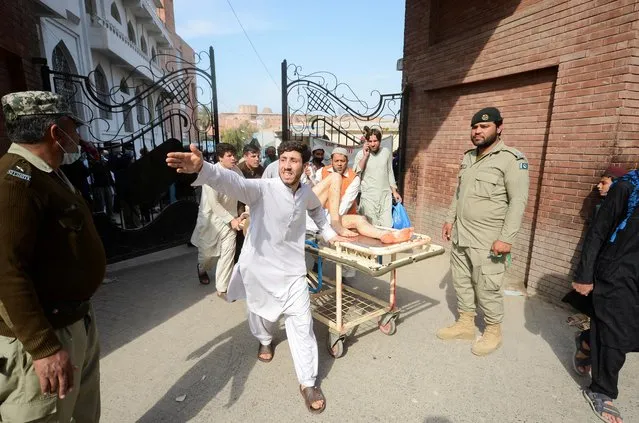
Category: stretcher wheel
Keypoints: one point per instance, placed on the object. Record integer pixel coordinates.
(335, 345)
(389, 328)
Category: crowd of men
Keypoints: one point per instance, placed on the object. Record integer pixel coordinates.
(52, 260)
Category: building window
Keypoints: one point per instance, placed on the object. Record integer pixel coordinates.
(150, 108)
(143, 45)
(154, 55)
(89, 7)
(102, 91)
(61, 61)
(131, 32)
(128, 118)
(139, 108)
(124, 87)
(115, 13)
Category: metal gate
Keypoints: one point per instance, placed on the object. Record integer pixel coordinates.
(318, 105)
(139, 204)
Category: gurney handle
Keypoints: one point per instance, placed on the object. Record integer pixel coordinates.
(319, 269)
(382, 270)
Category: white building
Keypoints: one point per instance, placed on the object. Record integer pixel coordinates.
(115, 42)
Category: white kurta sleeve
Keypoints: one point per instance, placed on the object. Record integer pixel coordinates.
(219, 210)
(229, 183)
(316, 212)
(349, 196)
(358, 158)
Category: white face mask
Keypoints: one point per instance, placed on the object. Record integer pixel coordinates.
(69, 158)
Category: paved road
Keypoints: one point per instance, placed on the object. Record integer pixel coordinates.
(165, 336)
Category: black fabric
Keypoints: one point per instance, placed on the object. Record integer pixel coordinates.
(581, 303)
(606, 365)
(614, 269)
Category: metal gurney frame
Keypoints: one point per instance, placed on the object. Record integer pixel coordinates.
(333, 302)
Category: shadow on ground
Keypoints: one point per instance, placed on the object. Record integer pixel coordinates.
(553, 332)
(143, 297)
(410, 303)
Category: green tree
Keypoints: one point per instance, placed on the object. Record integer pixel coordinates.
(239, 136)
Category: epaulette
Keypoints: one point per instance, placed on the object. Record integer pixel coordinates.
(470, 150)
(20, 171)
(518, 154)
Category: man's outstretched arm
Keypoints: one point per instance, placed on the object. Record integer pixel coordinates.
(222, 180)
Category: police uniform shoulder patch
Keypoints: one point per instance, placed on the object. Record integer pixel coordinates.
(518, 154)
(20, 172)
(523, 166)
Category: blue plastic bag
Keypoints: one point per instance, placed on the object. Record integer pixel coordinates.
(400, 217)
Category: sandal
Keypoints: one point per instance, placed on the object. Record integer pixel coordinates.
(312, 394)
(203, 276)
(583, 362)
(600, 404)
(265, 349)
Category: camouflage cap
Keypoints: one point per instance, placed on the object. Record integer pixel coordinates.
(36, 103)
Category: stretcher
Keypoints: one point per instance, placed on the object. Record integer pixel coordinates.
(342, 308)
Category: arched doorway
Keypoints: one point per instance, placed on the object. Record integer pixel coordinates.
(62, 61)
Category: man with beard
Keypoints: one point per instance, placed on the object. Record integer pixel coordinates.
(374, 164)
(483, 220)
(271, 271)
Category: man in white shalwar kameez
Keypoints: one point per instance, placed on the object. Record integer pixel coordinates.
(271, 270)
(217, 226)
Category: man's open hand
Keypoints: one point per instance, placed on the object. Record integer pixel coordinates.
(186, 162)
(55, 373)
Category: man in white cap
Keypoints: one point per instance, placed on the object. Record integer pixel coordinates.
(337, 189)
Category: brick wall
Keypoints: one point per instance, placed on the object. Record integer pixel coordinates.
(563, 73)
(18, 47)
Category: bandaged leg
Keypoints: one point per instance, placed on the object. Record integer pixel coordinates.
(328, 191)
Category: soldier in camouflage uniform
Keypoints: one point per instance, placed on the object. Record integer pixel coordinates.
(51, 263)
(483, 220)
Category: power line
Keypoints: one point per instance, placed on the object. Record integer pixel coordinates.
(252, 45)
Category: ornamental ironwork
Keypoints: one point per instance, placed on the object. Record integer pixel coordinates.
(317, 104)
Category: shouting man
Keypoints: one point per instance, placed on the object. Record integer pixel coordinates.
(271, 270)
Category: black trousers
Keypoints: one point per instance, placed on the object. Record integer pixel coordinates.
(606, 364)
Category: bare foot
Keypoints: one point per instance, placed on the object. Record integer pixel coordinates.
(609, 417)
(395, 237)
(266, 356)
(342, 231)
(316, 405)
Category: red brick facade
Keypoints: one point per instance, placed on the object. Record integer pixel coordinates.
(18, 47)
(565, 75)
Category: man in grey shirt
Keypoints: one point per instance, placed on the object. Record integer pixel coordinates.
(374, 164)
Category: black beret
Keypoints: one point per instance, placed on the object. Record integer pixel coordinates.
(487, 114)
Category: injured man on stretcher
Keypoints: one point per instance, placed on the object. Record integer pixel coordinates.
(336, 186)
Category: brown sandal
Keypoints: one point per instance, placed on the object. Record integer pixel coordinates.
(265, 349)
(312, 394)
(203, 276)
